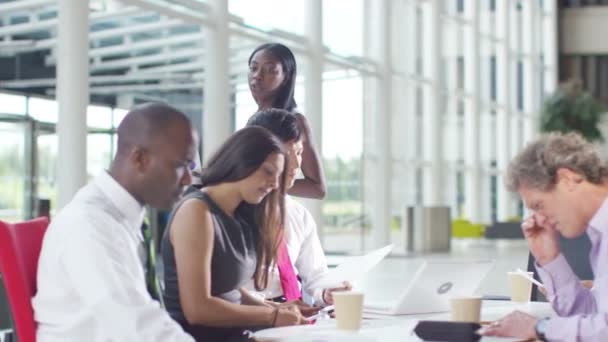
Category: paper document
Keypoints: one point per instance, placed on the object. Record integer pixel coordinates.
(352, 269)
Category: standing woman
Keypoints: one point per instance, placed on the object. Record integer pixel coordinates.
(272, 78)
(222, 235)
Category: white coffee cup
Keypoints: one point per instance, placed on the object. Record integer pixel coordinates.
(521, 288)
(466, 309)
(349, 309)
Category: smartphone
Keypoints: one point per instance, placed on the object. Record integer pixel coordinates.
(447, 331)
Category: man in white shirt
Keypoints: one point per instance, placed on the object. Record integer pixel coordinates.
(91, 284)
(303, 244)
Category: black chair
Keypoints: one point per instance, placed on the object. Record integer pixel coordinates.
(576, 251)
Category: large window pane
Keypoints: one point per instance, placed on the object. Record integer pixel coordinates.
(244, 106)
(271, 14)
(99, 117)
(12, 172)
(117, 116)
(43, 110)
(343, 220)
(47, 168)
(99, 153)
(347, 37)
(12, 104)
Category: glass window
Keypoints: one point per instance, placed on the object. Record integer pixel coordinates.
(245, 106)
(99, 153)
(12, 104)
(342, 149)
(43, 110)
(99, 117)
(47, 167)
(12, 172)
(347, 37)
(117, 115)
(271, 14)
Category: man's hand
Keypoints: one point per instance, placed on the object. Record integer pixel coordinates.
(517, 324)
(328, 297)
(543, 238)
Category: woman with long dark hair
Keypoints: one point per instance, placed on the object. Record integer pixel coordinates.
(272, 78)
(225, 233)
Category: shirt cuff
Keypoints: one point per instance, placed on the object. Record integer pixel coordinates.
(318, 297)
(556, 272)
(561, 329)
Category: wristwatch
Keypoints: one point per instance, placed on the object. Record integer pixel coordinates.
(541, 329)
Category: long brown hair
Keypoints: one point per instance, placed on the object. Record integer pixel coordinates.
(239, 157)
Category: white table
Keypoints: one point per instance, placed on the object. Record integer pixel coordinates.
(394, 328)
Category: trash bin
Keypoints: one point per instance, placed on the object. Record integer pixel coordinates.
(426, 229)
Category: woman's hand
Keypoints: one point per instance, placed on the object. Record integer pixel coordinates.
(304, 308)
(288, 315)
(328, 297)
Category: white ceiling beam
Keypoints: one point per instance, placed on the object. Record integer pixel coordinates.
(49, 43)
(199, 6)
(148, 59)
(196, 65)
(152, 43)
(22, 6)
(102, 79)
(146, 44)
(173, 11)
(48, 24)
(110, 90)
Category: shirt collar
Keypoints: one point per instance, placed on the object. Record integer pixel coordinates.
(599, 222)
(126, 204)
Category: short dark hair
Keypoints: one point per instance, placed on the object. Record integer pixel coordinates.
(285, 93)
(280, 122)
(147, 124)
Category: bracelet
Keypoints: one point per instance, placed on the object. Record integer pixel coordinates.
(275, 314)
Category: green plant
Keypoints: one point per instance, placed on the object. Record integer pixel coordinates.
(571, 109)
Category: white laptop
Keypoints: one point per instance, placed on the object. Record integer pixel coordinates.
(432, 286)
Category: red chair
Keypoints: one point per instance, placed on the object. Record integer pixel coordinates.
(20, 245)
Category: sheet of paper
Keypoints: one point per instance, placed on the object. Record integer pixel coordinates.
(352, 269)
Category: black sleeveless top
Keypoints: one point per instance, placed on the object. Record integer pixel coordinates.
(232, 262)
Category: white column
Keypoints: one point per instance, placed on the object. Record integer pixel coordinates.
(72, 96)
(530, 70)
(379, 49)
(432, 104)
(412, 135)
(472, 190)
(550, 43)
(403, 125)
(313, 83)
(217, 120)
(517, 109)
(506, 204)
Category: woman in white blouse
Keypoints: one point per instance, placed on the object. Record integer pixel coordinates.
(300, 231)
